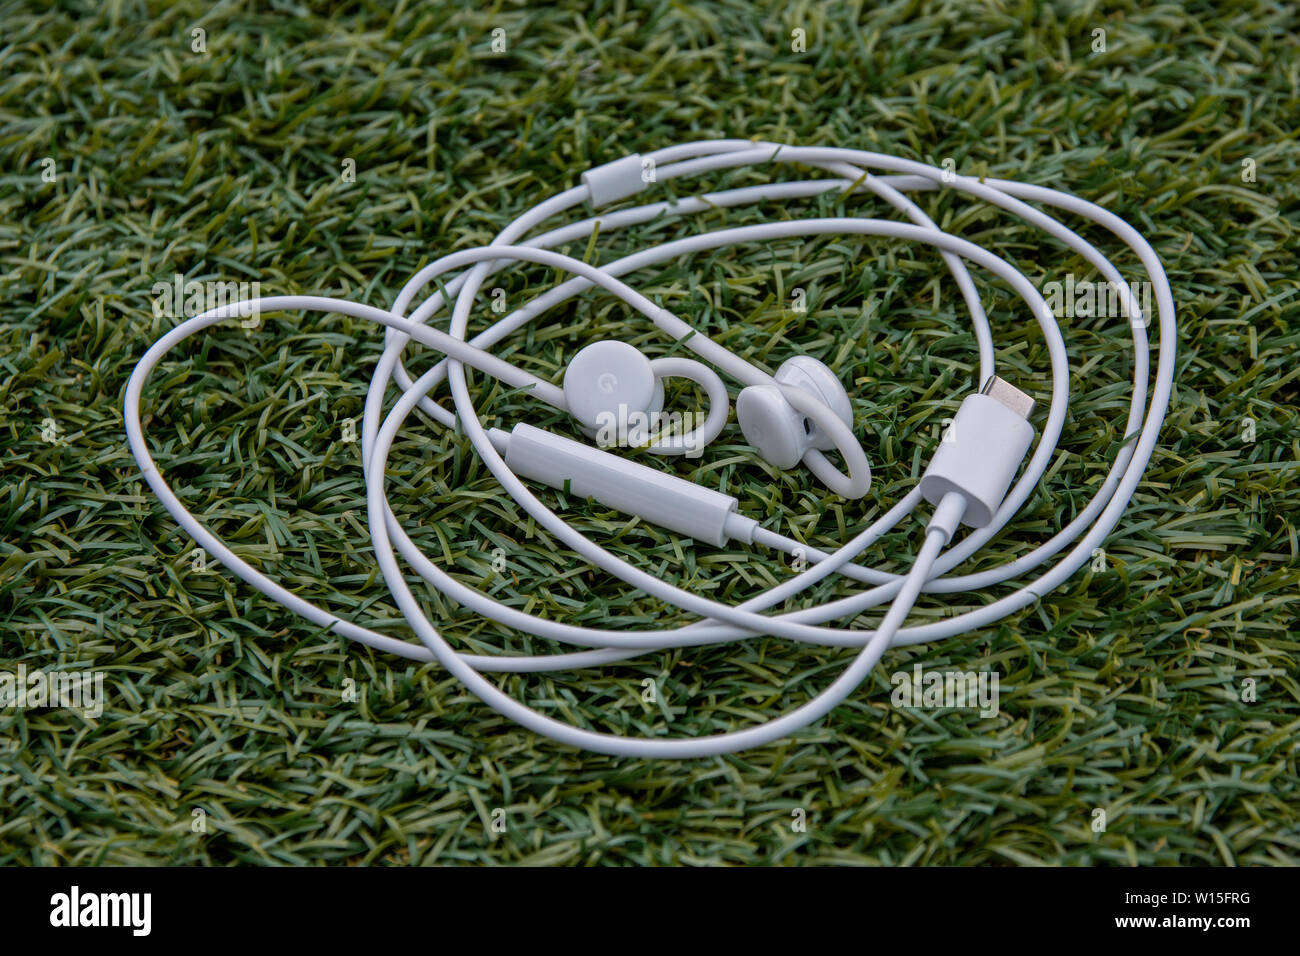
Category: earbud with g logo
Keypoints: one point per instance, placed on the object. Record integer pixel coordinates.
(611, 384)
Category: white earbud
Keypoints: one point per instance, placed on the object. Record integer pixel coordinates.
(611, 388)
(605, 377)
(805, 413)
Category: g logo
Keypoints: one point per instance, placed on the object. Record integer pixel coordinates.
(607, 382)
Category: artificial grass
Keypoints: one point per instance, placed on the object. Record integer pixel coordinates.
(1120, 691)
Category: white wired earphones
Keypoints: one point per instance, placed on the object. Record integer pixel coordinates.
(792, 418)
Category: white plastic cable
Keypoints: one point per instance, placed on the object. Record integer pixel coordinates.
(466, 271)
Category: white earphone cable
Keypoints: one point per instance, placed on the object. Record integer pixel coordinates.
(718, 622)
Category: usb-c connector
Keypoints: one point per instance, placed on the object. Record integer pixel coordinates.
(981, 451)
(1013, 398)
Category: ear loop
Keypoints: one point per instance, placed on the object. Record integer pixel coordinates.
(692, 443)
(857, 482)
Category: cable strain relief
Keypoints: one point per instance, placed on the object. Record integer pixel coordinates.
(737, 527)
(947, 515)
(500, 440)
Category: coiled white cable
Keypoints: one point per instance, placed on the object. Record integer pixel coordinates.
(718, 622)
